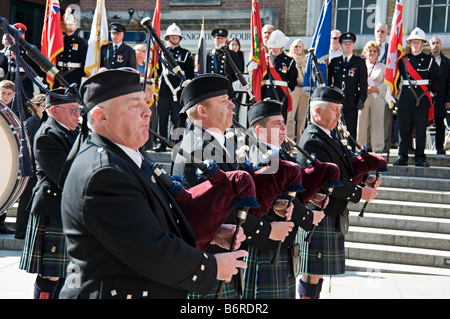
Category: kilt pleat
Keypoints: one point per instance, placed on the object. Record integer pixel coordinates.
(304, 248)
(44, 251)
(326, 254)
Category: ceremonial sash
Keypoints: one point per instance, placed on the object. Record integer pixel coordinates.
(277, 77)
(417, 77)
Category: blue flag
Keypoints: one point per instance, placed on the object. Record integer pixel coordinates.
(321, 46)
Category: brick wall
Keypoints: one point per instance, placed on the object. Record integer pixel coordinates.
(139, 5)
(297, 11)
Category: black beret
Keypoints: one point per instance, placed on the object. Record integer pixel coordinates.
(116, 27)
(220, 32)
(262, 110)
(109, 84)
(348, 36)
(328, 94)
(203, 87)
(52, 99)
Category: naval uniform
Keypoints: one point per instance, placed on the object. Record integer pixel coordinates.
(123, 56)
(170, 89)
(409, 113)
(274, 89)
(351, 77)
(70, 62)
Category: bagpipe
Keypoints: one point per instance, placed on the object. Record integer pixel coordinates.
(217, 195)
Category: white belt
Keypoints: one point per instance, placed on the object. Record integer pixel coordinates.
(418, 82)
(21, 70)
(278, 83)
(69, 64)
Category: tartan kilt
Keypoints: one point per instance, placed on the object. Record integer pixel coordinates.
(44, 251)
(265, 281)
(326, 254)
(228, 292)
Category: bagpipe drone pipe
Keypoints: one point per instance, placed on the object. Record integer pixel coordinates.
(363, 162)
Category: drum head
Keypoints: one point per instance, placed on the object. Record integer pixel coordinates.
(9, 159)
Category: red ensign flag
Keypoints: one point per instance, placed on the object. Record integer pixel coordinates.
(257, 51)
(52, 42)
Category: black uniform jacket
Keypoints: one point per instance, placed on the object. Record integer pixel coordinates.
(126, 236)
(285, 67)
(216, 62)
(75, 50)
(301, 216)
(52, 144)
(124, 57)
(351, 77)
(204, 146)
(315, 141)
(443, 93)
(428, 69)
(183, 58)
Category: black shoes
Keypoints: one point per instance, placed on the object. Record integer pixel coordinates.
(422, 164)
(401, 162)
(440, 152)
(6, 230)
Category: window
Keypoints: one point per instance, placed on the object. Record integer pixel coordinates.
(357, 16)
(432, 16)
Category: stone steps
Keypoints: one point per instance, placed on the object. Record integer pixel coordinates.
(398, 207)
(398, 255)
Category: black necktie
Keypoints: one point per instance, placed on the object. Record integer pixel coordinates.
(147, 169)
(115, 49)
(333, 136)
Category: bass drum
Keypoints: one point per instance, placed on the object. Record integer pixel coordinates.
(11, 183)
